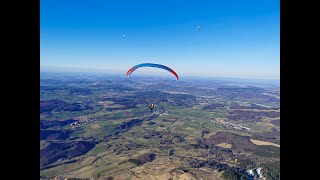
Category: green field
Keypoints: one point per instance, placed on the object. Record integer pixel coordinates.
(116, 149)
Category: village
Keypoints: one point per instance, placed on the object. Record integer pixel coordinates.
(164, 114)
(271, 95)
(252, 172)
(229, 124)
(80, 120)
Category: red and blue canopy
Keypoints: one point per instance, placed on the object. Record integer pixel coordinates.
(151, 65)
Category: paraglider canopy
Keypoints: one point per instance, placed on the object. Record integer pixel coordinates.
(151, 106)
(151, 65)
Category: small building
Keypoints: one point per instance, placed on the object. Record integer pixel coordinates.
(59, 177)
(259, 172)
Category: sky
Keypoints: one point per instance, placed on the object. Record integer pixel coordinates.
(213, 38)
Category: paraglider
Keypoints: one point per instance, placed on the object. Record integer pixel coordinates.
(151, 106)
(151, 65)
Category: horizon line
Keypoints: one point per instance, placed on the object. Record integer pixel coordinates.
(145, 74)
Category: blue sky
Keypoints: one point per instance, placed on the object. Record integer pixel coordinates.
(235, 38)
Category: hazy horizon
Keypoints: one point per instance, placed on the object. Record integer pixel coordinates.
(144, 73)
